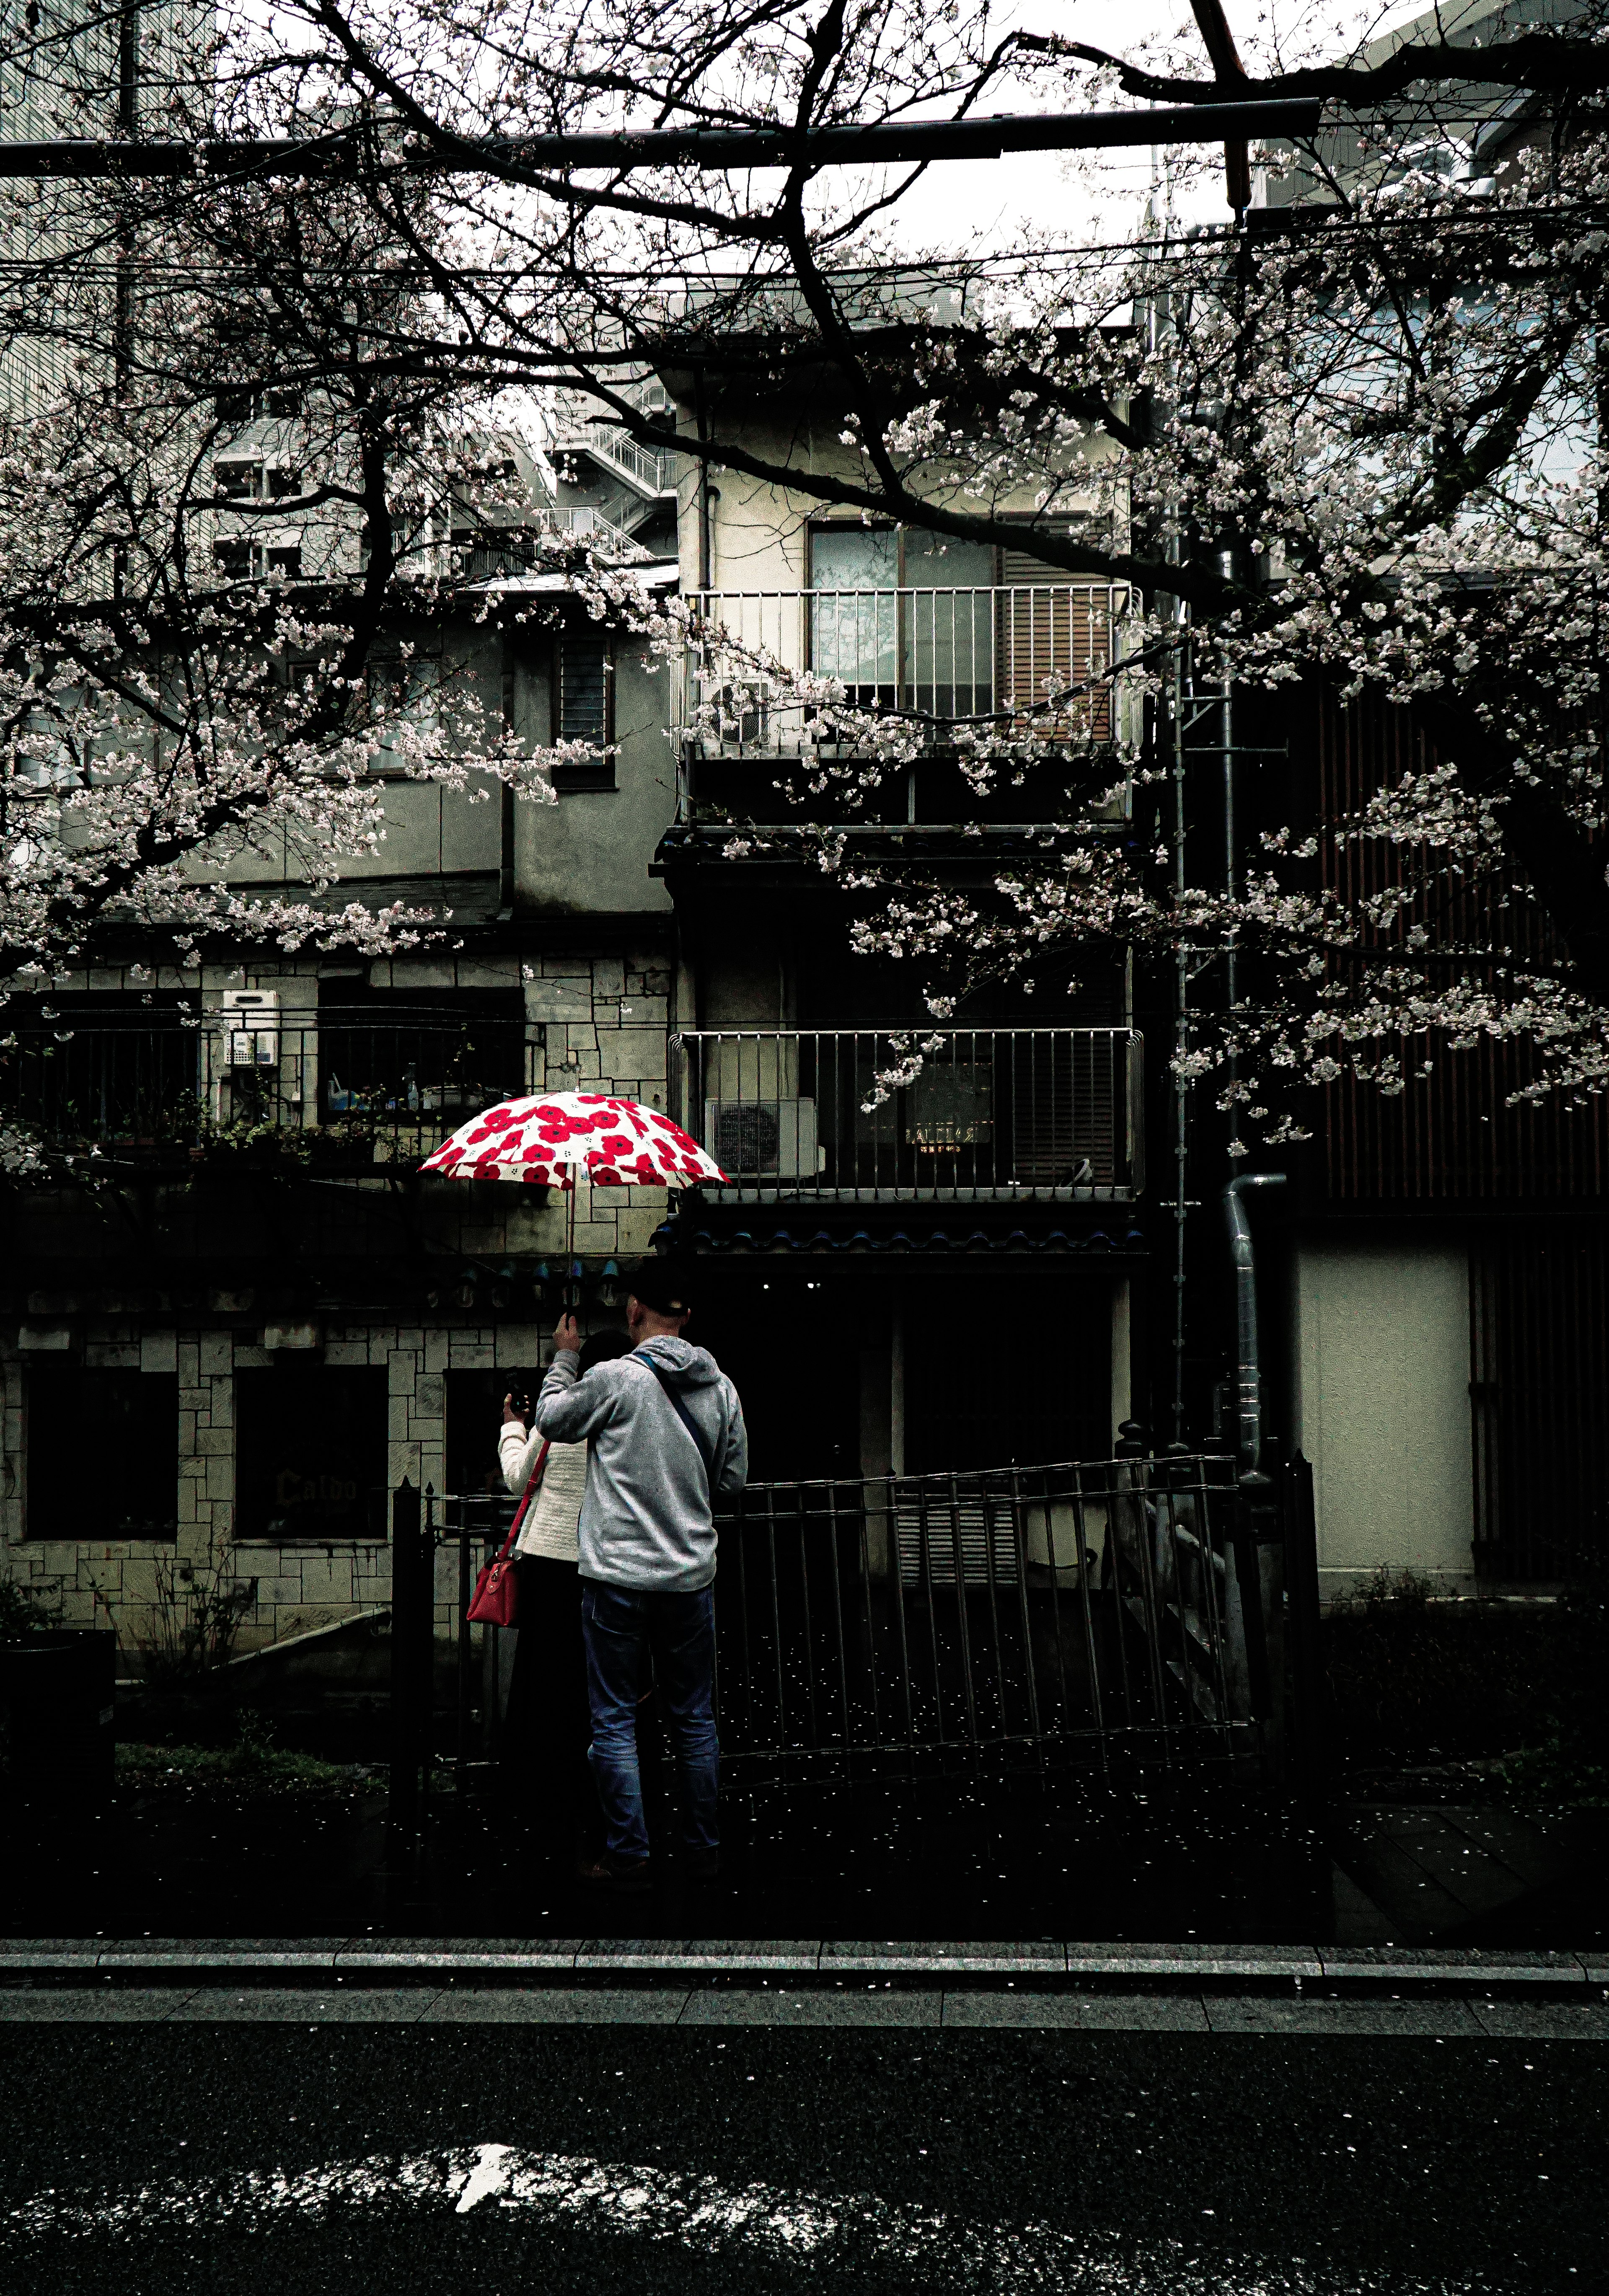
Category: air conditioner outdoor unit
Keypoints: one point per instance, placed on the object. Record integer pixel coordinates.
(762, 1139)
(252, 1027)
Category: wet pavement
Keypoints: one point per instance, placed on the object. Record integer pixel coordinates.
(297, 2159)
(948, 1857)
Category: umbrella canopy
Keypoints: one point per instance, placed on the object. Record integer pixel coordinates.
(556, 1138)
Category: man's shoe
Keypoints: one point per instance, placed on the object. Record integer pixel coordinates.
(629, 1877)
(703, 1865)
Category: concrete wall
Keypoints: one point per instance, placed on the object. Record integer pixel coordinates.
(590, 852)
(1380, 1392)
(299, 1587)
(757, 531)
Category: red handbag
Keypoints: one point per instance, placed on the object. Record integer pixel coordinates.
(495, 1601)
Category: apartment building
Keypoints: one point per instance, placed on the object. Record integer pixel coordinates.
(940, 1276)
(242, 1297)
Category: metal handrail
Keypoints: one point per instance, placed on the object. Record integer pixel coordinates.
(347, 1079)
(885, 1114)
(1036, 655)
(653, 471)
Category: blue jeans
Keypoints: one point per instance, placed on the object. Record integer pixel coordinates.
(619, 1624)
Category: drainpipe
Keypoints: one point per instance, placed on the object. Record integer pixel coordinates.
(1248, 1363)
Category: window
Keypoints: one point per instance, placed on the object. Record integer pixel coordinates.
(432, 1057)
(129, 1420)
(240, 559)
(585, 710)
(904, 617)
(119, 1070)
(1053, 633)
(283, 480)
(248, 403)
(474, 1421)
(238, 480)
(584, 681)
(310, 1452)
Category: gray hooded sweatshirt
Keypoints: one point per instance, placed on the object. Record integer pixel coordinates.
(646, 1518)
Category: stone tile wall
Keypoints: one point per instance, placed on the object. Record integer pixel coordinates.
(597, 1020)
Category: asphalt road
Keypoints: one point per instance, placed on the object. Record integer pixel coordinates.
(504, 2161)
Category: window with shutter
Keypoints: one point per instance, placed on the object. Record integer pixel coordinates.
(1053, 633)
(583, 688)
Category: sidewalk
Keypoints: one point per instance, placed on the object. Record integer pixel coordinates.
(1289, 1989)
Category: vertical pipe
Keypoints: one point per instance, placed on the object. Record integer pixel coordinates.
(896, 1379)
(466, 1633)
(1181, 1045)
(1248, 1362)
(1226, 738)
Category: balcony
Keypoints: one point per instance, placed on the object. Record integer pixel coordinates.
(1028, 1115)
(352, 1087)
(946, 654)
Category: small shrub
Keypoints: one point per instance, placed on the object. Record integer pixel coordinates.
(196, 1617)
(1412, 1680)
(1568, 1758)
(252, 1761)
(22, 1613)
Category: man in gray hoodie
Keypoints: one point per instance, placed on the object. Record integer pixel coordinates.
(664, 1431)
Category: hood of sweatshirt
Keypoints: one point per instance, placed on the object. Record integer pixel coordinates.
(686, 1366)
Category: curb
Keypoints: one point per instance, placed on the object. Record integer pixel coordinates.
(1043, 1965)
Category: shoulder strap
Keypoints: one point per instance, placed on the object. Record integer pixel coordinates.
(687, 1420)
(523, 1507)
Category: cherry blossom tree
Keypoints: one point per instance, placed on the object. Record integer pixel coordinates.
(178, 695)
(1343, 448)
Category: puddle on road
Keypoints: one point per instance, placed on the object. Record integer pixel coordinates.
(841, 2233)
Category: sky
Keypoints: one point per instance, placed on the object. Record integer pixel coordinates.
(992, 200)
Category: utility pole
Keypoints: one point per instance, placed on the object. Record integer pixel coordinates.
(122, 327)
(720, 151)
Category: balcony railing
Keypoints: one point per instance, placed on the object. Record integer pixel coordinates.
(353, 1084)
(1036, 655)
(653, 472)
(1030, 1114)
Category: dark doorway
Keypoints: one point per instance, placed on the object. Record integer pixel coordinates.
(1005, 1373)
(310, 1452)
(127, 1418)
(788, 1342)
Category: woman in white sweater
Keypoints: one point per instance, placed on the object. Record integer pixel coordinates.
(547, 1727)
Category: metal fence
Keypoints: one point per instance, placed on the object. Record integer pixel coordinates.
(1031, 1113)
(1028, 1613)
(1022, 650)
(357, 1078)
(1039, 1618)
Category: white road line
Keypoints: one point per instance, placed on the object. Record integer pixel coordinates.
(572, 2193)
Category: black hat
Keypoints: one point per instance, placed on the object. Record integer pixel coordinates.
(663, 1285)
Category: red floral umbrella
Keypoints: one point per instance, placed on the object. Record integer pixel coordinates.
(556, 1138)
